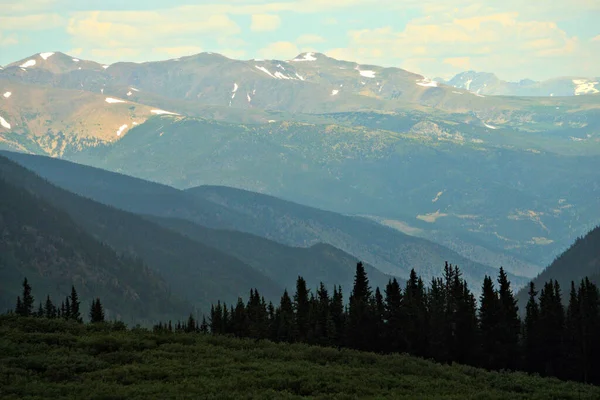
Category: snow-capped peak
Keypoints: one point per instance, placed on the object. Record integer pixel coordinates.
(27, 64)
(46, 55)
(305, 57)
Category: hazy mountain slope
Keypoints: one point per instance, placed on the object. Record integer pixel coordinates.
(525, 201)
(486, 83)
(317, 263)
(578, 261)
(196, 272)
(285, 222)
(43, 243)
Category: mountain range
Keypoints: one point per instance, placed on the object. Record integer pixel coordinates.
(500, 180)
(487, 83)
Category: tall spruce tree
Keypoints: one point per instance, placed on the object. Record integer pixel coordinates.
(394, 335)
(302, 308)
(75, 314)
(436, 308)
(286, 320)
(50, 308)
(338, 317)
(509, 325)
(360, 328)
(551, 329)
(25, 309)
(96, 312)
(531, 333)
(489, 321)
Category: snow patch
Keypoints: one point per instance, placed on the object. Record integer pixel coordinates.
(478, 95)
(4, 123)
(306, 57)
(7, 94)
(129, 93)
(437, 197)
(75, 59)
(248, 97)
(47, 55)
(468, 84)
(105, 66)
(162, 112)
(476, 140)
(232, 96)
(334, 92)
(489, 126)
(280, 66)
(271, 121)
(235, 87)
(367, 73)
(576, 139)
(299, 77)
(363, 83)
(121, 129)
(134, 123)
(427, 83)
(27, 64)
(454, 91)
(281, 76)
(102, 90)
(111, 100)
(134, 89)
(266, 71)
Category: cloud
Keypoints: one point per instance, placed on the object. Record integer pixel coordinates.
(279, 51)
(596, 39)
(9, 40)
(500, 41)
(264, 23)
(462, 63)
(35, 22)
(178, 51)
(118, 35)
(310, 39)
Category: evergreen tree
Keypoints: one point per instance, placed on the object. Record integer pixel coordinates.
(286, 320)
(302, 308)
(67, 311)
(551, 329)
(531, 333)
(96, 312)
(361, 330)
(489, 320)
(25, 308)
(436, 308)
(378, 321)
(509, 324)
(394, 337)
(49, 309)
(338, 318)
(415, 310)
(40, 311)
(239, 320)
(216, 319)
(75, 314)
(191, 324)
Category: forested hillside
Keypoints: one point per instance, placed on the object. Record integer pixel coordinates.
(44, 244)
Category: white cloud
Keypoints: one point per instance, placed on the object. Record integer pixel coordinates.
(264, 23)
(279, 51)
(34, 22)
(443, 43)
(310, 39)
(9, 40)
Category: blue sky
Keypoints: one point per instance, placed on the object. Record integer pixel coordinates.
(516, 39)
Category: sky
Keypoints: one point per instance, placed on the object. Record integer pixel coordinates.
(515, 39)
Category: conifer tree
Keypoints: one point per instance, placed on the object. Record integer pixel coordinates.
(67, 311)
(360, 327)
(204, 325)
(551, 329)
(438, 322)
(394, 336)
(49, 309)
(489, 319)
(338, 316)
(25, 308)
(191, 324)
(96, 312)
(302, 308)
(531, 334)
(509, 324)
(75, 314)
(286, 331)
(216, 319)
(40, 311)
(239, 320)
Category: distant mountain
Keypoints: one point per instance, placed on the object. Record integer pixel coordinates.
(389, 250)
(580, 260)
(465, 169)
(195, 272)
(43, 244)
(486, 83)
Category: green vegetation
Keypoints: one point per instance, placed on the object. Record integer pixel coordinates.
(42, 359)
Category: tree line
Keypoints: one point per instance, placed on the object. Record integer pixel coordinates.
(442, 321)
(69, 308)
